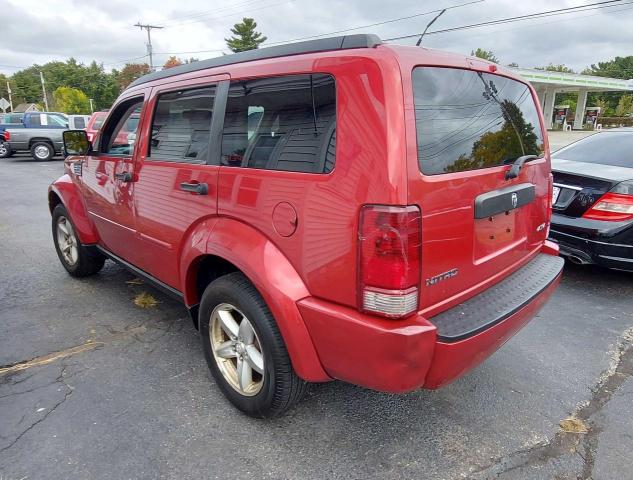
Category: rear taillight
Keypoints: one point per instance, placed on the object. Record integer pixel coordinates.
(7, 136)
(389, 246)
(615, 207)
(89, 135)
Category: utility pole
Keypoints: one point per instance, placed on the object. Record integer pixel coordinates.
(44, 91)
(91, 109)
(10, 99)
(149, 41)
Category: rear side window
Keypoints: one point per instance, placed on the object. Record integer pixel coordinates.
(606, 148)
(80, 122)
(281, 123)
(181, 126)
(467, 120)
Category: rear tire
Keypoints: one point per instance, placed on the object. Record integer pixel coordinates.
(238, 332)
(77, 259)
(42, 151)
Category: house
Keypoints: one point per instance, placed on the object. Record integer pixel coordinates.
(26, 107)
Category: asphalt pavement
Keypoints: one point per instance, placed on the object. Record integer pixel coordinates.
(94, 387)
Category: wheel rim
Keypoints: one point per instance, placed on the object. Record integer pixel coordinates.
(67, 241)
(3, 149)
(236, 349)
(41, 151)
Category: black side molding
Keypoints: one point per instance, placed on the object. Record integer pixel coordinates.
(502, 200)
(498, 302)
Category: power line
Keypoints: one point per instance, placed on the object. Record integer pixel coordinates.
(548, 13)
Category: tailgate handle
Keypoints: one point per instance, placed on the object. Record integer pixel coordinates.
(516, 166)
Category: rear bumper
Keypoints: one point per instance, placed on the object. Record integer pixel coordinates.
(404, 355)
(609, 244)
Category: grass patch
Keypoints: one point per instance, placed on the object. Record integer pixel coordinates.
(145, 300)
(573, 425)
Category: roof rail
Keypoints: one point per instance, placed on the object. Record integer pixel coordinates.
(320, 45)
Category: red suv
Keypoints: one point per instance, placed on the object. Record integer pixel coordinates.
(332, 209)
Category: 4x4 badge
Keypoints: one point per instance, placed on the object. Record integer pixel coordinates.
(441, 277)
(515, 200)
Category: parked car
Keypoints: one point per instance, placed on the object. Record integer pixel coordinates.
(593, 199)
(38, 132)
(381, 220)
(94, 123)
(78, 122)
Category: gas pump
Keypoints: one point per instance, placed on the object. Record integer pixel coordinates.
(591, 116)
(560, 117)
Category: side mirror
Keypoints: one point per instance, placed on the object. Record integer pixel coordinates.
(76, 142)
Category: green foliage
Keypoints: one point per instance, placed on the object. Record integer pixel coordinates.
(71, 100)
(561, 67)
(90, 79)
(625, 106)
(619, 67)
(485, 54)
(244, 36)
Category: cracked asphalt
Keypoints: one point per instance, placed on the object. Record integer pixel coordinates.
(93, 387)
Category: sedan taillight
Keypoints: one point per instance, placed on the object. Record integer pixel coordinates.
(615, 207)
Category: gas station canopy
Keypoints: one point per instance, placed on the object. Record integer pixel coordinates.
(548, 84)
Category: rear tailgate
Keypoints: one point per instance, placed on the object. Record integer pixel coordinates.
(477, 226)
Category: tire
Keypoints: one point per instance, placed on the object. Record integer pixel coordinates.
(277, 388)
(42, 151)
(5, 150)
(77, 259)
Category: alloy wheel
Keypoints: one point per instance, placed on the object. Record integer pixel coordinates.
(236, 349)
(67, 241)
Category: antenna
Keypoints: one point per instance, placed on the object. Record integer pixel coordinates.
(427, 27)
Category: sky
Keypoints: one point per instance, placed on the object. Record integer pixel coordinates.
(41, 31)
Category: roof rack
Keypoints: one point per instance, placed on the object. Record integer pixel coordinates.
(320, 45)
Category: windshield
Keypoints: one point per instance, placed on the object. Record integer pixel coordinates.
(467, 120)
(606, 148)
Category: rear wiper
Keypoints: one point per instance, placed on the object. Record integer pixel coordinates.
(517, 164)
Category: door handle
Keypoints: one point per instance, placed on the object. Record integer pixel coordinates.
(123, 176)
(197, 188)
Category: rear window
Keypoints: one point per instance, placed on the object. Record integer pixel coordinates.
(468, 120)
(606, 148)
(281, 123)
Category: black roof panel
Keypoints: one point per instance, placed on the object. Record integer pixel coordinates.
(320, 45)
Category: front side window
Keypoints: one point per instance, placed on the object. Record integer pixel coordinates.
(119, 134)
(281, 123)
(182, 125)
(467, 120)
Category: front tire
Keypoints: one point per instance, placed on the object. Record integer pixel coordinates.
(42, 151)
(5, 150)
(77, 259)
(245, 350)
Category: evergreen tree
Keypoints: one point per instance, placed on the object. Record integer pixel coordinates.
(244, 36)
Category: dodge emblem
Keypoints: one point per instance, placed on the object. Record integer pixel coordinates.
(515, 200)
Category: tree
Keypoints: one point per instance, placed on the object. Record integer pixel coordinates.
(244, 36)
(485, 54)
(625, 106)
(71, 100)
(619, 67)
(556, 68)
(130, 72)
(172, 61)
